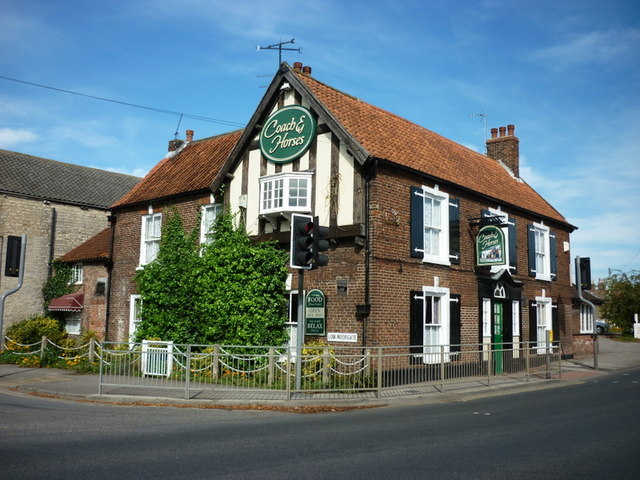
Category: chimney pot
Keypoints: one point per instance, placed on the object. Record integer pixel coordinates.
(306, 69)
(510, 129)
(494, 132)
(189, 136)
(297, 66)
(503, 131)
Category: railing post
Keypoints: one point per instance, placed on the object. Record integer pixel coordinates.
(547, 356)
(489, 364)
(92, 350)
(187, 363)
(43, 346)
(215, 364)
(272, 366)
(379, 379)
(441, 368)
(326, 359)
(288, 374)
(527, 365)
(100, 359)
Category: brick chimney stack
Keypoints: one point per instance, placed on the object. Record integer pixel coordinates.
(175, 144)
(505, 147)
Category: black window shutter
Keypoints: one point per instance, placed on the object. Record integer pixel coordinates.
(454, 231)
(416, 326)
(555, 322)
(454, 323)
(513, 245)
(531, 236)
(12, 265)
(533, 322)
(553, 255)
(417, 223)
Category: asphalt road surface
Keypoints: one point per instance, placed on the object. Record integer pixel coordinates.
(587, 430)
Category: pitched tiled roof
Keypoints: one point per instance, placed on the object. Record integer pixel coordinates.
(41, 178)
(392, 138)
(191, 169)
(94, 249)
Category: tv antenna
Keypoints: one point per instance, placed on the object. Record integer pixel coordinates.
(483, 118)
(279, 46)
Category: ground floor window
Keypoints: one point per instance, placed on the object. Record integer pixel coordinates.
(72, 323)
(434, 323)
(586, 318)
(543, 319)
(135, 303)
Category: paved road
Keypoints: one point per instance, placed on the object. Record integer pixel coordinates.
(589, 429)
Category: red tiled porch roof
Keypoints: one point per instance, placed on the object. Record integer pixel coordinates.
(67, 303)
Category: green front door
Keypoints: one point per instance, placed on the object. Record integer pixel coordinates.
(498, 337)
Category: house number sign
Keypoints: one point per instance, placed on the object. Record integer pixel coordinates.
(287, 134)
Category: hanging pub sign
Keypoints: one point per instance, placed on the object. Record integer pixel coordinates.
(287, 134)
(490, 246)
(315, 316)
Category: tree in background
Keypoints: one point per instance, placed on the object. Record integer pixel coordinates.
(622, 299)
(228, 292)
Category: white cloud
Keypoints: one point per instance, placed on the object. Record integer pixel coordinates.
(16, 136)
(592, 47)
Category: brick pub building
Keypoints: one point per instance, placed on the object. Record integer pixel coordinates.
(431, 243)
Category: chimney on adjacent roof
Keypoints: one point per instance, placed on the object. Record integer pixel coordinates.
(505, 147)
(297, 66)
(176, 143)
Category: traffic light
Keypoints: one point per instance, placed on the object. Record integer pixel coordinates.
(307, 241)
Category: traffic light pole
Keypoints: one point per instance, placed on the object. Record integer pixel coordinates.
(300, 330)
(23, 252)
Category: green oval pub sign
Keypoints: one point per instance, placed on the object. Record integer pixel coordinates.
(287, 134)
(490, 246)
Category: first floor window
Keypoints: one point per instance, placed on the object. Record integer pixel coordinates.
(435, 226)
(286, 192)
(586, 318)
(208, 218)
(76, 274)
(150, 237)
(542, 252)
(135, 304)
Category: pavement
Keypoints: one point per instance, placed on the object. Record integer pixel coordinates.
(613, 356)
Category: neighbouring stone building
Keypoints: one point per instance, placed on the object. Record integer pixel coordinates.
(57, 206)
(431, 243)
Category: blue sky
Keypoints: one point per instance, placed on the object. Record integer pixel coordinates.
(566, 73)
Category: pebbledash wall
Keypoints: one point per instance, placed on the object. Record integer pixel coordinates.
(378, 291)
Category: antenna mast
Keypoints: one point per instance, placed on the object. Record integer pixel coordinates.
(483, 118)
(279, 46)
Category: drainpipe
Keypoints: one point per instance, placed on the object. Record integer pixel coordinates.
(593, 313)
(112, 221)
(52, 242)
(370, 173)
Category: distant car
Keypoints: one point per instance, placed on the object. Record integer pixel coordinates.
(602, 327)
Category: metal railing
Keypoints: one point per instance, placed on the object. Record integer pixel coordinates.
(216, 371)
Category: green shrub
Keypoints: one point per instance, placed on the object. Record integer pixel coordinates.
(31, 330)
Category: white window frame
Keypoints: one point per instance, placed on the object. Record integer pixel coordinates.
(435, 225)
(73, 323)
(150, 237)
(277, 192)
(486, 317)
(515, 318)
(135, 302)
(542, 247)
(438, 325)
(208, 215)
(76, 274)
(543, 322)
(586, 318)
